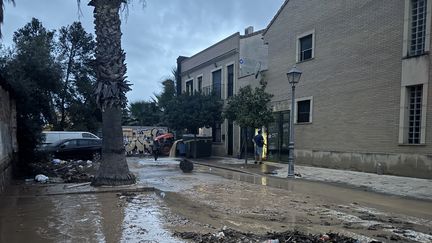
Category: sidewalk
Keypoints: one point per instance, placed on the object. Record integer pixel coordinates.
(393, 185)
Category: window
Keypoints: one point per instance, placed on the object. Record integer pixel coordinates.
(69, 144)
(200, 84)
(189, 87)
(217, 83)
(83, 142)
(415, 113)
(305, 47)
(88, 135)
(216, 133)
(418, 27)
(304, 111)
(230, 77)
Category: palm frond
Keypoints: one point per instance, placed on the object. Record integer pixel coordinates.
(2, 2)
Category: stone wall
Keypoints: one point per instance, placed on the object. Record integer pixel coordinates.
(8, 142)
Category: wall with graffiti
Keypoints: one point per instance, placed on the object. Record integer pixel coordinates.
(139, 139)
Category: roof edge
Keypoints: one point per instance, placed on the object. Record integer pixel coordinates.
(275, 17)
(252, 34)
(215, 44)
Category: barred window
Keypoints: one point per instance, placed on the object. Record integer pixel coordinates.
(415, 113)
(418, 27)
(303, 111)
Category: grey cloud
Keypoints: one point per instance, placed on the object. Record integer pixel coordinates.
(153, 36)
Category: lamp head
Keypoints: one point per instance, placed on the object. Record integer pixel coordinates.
(294, 75)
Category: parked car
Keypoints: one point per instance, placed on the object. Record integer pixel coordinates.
(75, 148)
(50, 137)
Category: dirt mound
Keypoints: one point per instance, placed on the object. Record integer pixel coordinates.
(233, 236)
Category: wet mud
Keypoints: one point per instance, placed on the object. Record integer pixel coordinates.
(259, 203)
(229, 235)
(206, 202)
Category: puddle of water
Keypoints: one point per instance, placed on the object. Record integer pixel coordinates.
(254, 179)
(143, 221)
(83, 218)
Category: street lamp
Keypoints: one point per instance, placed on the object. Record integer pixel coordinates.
(293, 76)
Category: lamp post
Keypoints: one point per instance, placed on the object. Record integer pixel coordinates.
(293, 76)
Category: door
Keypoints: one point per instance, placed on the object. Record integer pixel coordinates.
(67, 149)
(230, 137)
(273, 138)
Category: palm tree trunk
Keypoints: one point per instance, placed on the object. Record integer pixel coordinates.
(113, 169)
(111, 92)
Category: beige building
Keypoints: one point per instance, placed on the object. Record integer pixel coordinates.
(364, 101)
(224, 67)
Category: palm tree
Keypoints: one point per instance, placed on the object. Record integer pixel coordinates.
(2, 2)
(110, 92)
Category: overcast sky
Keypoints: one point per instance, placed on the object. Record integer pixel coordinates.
(154, 35)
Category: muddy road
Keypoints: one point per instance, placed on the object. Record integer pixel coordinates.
(205, 201)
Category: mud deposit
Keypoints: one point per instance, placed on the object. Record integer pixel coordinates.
(232, 236)
(209, 205)
(209, 199)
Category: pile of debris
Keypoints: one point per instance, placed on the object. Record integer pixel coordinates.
(71, 171)
(232, 236)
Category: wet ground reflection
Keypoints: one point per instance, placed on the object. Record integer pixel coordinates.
(105, 217)
(254, 179)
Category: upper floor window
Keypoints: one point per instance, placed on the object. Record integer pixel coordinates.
(418, 27)
(230, 73)
(305, 48)
(217, 83)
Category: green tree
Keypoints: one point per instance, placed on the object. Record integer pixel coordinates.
(84, 114)
(249, 108)
(192, 112)
(35, 77)
(110, 92)
(168, 93)
(75, 50)
(163, 99)
(144, 113)
(2, 2)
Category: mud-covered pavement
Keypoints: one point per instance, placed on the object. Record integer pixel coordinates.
(204, 202)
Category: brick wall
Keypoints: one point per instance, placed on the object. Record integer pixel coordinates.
(355, 81)
(8, 144)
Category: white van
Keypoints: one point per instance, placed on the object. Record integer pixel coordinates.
(54, 136)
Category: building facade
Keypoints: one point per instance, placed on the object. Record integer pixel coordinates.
(223, 68)
(8, 142)
(364, 101)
